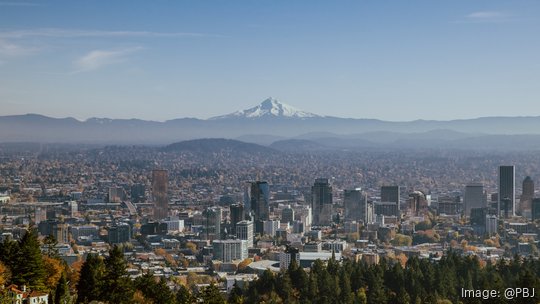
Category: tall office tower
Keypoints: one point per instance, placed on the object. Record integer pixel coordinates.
(321, 202)
(355, 204)
(474, 197)
(260, 204)
(526, 197)
(137, 193)
(287, 215)
(212, 223)
(159, 193)
(237, 215)
(507, 176)
(244, 231)
(535, 209)
(390, 194)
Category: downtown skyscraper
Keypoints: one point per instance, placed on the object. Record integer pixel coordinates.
(259, 201)
(507, 192)
(159, 194)
(321, 202)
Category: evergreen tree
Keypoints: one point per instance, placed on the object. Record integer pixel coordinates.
(346, 295)
(211, 295)
(119, 287)
(236, 296)
(158, 292)
(376, 292)
(50, 243)
(9, 251)
(183, 296)
(29, 269)
(91, 279)
(61, 293)
(284, 288)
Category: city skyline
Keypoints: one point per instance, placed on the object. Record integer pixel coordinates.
(391, 61)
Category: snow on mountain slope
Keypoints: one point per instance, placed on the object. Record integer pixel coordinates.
(269, 108)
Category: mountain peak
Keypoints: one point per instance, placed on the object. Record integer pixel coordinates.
(270, 107)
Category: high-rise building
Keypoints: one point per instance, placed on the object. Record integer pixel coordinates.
(229, 250)
(212, 223)
(526, 197)
(244, 231)
(270, 227)
(386, 208)
(116, 194)
(237, 215)
(290, 254)
(159, 192)
(507, 176)
(491, 224)
(417, 202)
(355, 204)
(287, 215)
(119, 234)
(321, 202)
(474, 197)
(535, 209)
(449, 205)
(137, 193)
(390, 194)
(260, 204)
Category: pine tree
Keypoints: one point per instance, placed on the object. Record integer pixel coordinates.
(29, 269)
(158, 292)
(236, 296)
(91, 279)
(183, 296)
(211, 295)
(284, 287)
(9, 251)
(119, 287)
(61, 293)
(346, 295)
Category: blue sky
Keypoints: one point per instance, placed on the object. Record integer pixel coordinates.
(159, 60)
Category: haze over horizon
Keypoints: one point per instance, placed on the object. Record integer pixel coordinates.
(391, 61)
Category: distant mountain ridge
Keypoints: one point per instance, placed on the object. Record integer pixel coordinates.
(273, 121)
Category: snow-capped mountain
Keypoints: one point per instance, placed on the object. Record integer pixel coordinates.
(269, 108)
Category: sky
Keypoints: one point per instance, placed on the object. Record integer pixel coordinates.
(159, 60)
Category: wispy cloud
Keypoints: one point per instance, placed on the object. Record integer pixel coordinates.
(97, 59)
(485, 17)
(10, 49)
(18, 3)
(71, 33)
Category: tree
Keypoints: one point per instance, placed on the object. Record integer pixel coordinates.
(29, 268)
(9, 252)
(91, 279)
(183, 296)
(54, 270)
(119, 287)
(211, 295)
(61, 293)
(4, 274)
(50, 243)
(158, 292)
(236, 296)
(284, 287)
(401, 240)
